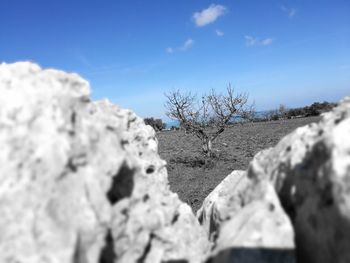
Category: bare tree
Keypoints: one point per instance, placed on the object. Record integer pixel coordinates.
(282, 111)
(276, 114)
(208, 117)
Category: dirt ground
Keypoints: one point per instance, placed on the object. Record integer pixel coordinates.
(193, 177)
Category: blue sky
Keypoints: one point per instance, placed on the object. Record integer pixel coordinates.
(293, 52)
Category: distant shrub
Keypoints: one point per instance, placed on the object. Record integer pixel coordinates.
(275, 117)
(156, 124)
(282, 111)
(272, 115)
(315, 109)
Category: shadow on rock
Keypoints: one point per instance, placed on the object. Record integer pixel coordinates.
(253, 255)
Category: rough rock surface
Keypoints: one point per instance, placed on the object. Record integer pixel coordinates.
(225, 200)
(82, 181)
(310, 169)
(245, 219)
(260, 225)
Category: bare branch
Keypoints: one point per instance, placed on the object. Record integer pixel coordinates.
(208, 117)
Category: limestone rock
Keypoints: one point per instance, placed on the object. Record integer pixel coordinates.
(248, 221)
(260, 223)
(82, 181)
(310, 169)
(225, 200)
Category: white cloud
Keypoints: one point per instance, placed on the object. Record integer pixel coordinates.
(253, 41)
(209, 15)
(219, 33)
(185, 46)
(290, 11)
(170, 50)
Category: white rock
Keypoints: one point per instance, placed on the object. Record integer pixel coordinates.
(243, 217)
(310, 169)
(82, 181)
(222, 202)
(260, 223)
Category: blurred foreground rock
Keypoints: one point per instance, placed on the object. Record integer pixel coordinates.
(222, 203)
(82, 181)
(245, 220)
(310, 169)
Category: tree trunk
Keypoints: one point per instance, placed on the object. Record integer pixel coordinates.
(207, 147)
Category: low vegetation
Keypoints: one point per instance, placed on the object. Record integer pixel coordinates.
(282, 112)
(156, 124)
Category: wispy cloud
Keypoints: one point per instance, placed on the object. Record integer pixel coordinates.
(253, 41)
(170, 50)
(188, 44)
(289, 11)
(266, 41)
(209, 15)
(185, 46)
(219, 33)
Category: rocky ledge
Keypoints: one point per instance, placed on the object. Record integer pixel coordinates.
(82, 181)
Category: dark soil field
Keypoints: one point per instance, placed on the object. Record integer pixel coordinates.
(193, 177)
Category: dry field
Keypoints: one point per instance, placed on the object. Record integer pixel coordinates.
(193, 176)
